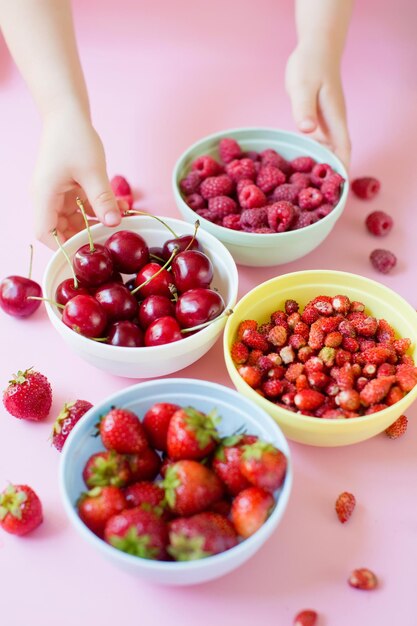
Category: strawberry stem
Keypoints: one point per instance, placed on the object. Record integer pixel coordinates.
(81, 207)
(174, 252)
(200, 326)
(158, 219)
(64, 252)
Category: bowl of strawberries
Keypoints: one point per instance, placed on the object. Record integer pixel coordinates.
(183, 483)
(331, 356)
(271, 196)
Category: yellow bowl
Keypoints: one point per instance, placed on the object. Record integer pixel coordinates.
(380, 302)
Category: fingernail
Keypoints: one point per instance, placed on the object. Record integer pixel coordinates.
(307, 125)
(112, 218)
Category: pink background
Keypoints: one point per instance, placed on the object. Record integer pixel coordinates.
(162, 75)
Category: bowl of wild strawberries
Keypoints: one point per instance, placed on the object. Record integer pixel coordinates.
(183, 482)
(270, 196)
(144, 299)
(330, 355)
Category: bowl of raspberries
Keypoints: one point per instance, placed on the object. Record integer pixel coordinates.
(183, 481)
(271, 196)
(330, 355)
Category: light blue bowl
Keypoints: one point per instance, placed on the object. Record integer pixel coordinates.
(236, 411)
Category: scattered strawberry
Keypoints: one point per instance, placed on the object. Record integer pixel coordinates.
(106, 468)
(122, 431)
(363, 578)
(192, 434)
(138, 532)
(20, 510)
(28, 396)
(226, 462)
(200, 536)
(263, 465)
(398, 428)
(97, 506)
(69, 415)
(345, 504)
(190, 487)
(250, 509)
(306, 618)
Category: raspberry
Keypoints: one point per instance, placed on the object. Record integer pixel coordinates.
(303, 164)
(254, 339)
(344, 506)
(379, 223)
(406, 377)
(286, 192)
(308, 399)
(385, 332)
(271, 157)
(251, 197)
(383, 260)
(264, 230)
(366, 187)
(348, 400)
(398, 428)
(401, 345)
(363, 579)
(272, 388)
(206, 166)
(331, 191)
(216, 186)
(190, 183)
(323, 211)
(243, 182)
(241, 168)
(205, 214)
(278, 336)
(333, 339)
(221, 206)
(239, 352)
(232, 221)
(280, 215)
(341, 304)
(306, 617)
(304, 219)
(320, 173)
(251, 154)
(300, 180)
(246, 324)
(251, 375)
(376, 390)
(195, 201)
(309, 198)
(229, 150)
(253, 218)
(377, 355)
(269, 177)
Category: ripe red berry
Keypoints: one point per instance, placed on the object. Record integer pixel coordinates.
(363, 578)
(28, 396)
(379, 223)
(20, 510)
(366, 188)
(344, 506)
(383, 260)
(398, 428)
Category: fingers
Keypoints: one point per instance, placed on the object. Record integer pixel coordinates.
(332, 108)
(303, 97)
(47, 208)
(99, 194)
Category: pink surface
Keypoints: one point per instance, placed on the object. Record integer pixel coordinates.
(160, 78)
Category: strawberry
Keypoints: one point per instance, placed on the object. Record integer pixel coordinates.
(192, 434)
(363, 578)
(121, 430)
(376, 390)
(223, 507)
(28, 396)
(144, 466)
(250, 509)
(263, 465)
(20, 510)
(398, 428)
(106, 468)
(191, 488)
(156, 421)
(97, 506)
(306, 618)
(138, 532)
(344, 506)
(200, 536)
(69, 415)
(226, 462)
(145, 494)
(308, 399)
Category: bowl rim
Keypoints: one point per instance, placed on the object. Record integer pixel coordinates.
(246, 237)
(307, 419)
(145, 350)
(260, 535)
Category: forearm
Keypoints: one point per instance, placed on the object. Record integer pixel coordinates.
(40, 36)
(323, 24)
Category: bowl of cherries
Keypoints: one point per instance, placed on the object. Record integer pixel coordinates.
(144, 299)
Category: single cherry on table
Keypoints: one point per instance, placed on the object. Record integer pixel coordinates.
(15, 291)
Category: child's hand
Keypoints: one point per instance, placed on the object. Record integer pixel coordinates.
(71, 163)
(314, 85)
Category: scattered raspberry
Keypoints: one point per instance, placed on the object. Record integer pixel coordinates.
(253, 218)
(195, 201)
(251, 197)
(221, 206)
(345, 504)
(269, 177)
(239, 352)
(303, 164)
(310, 198)
(214, 186)
(300, 180)
(320, 173)
(206, 166)
(383, 260)
(241, 168)
(251, 375)
(365, 188)
(232, 221)
(331, 191)
(379, 223)
(280, 215)
(376, 390)
(229, 150)
(306, 618)
(286, 192)
(363, 578)
(398, 428)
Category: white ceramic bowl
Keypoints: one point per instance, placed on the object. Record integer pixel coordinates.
(254, 249)
(145, 362)
(236, 411)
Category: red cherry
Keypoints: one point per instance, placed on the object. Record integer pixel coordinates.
(191, 269)
(14, 294)
(67, 290)
(160, 285)
(92, 267)
(128, 250)
(116, 301)
(126, 334)
(84, 315)
(198, 306)
(161, 331)
(186, 241)
(154, 307)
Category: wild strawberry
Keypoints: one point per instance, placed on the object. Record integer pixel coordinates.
(350, 344)
(357, 307)
(322, 304)
(360, 383)
(293, 318)
(254, 356)
(401, 345)
(106, 468)
(191, 488)
(341, 304)
(264, 329)
(316, 336)
(398, 428)
(297, 341)
(200, 536)
(121, 430)
(278, 336)
(239, 352)
(363, 578)
(328, 405)
(276, 373)
(308, 400)
(344, 506)
(301, 383)
(327, 355)
(304, 354)
(310, 315)
(156, 421)
(263, 465)
(366, 327)
(333, 339)
(145, 493)
(301, 328)
(291, 306)
(344, 376)
(385, 332)
(254, 339)
(406, 377)
(293, 372)
(331, 389)
(265, 363)
(251, 375)
(330, 324)
(377, 355)
(376, 390)
(365, 344)
(97, 506)
(192, 434)
(144, 466)
(375, 408)
(226, 462)
(287, 355)
(28, 396)
(342, 357)
(306, 618)
(314, 364)
(369, 370)
(347, 329)
(69, 415)
(245, 325)
(406, 359)
(333, 414)
(20, 510)
(138, 532)
(394, 395)
(318, 380)
(272, 388)
(250, 509)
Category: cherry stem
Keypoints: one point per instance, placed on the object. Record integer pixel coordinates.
(81, 207)
(64, 252)
(157, 258)
(60, 306)
(30, 261)
(100, 339)
(158, 219)
(196, 227)
(200, 326)
(174, 252)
